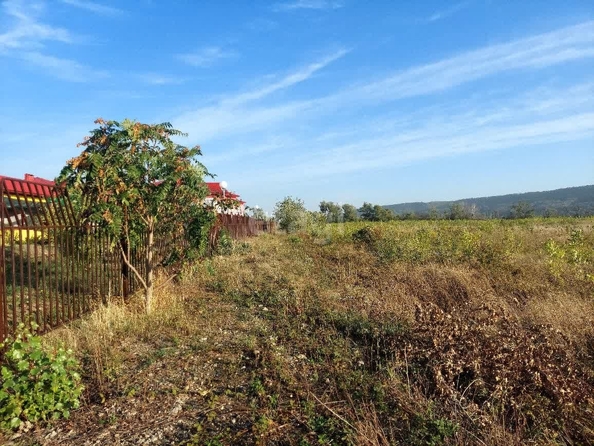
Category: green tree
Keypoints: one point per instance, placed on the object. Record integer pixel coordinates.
(457, 211)
(135, 181)
(367, 212)
(383, 214)
(522, 209)
(376, 212)
(433, 213)
(291, 215)
(550, 212)
(258, 213)
(332, 211)
(349, 212)
(408, 216)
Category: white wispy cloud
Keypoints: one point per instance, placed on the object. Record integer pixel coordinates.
(245, 113)
(564, 45)
(300, 75)
(93, 7)
(206, 57)
(210, 123)
(160, 79)
(308, 4)
(236, 114)
(26, 30)
(560, 116)
(65, 69)
(270, 144)
(363, 131)
(28, 36)
(447, 12)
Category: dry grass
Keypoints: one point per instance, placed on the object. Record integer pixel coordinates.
(409, 333)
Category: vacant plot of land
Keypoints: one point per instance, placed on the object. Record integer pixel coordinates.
(401, 333)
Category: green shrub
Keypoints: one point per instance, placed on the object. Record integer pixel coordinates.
(429, 430)
(36, 384)
(224, 243)
(295, 239)
(291, 215)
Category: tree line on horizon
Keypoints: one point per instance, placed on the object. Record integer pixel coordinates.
(291, 213)
(336, 213)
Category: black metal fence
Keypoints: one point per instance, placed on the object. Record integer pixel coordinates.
(53, 270)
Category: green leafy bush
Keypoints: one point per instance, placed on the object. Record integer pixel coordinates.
(429, 430)
(291, 214)
(36, 384)
(224, 243)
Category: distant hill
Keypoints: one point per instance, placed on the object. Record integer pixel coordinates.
(574, 201)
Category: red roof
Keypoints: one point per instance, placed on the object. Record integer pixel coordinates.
(32, 186)
(215, 190)
(33, 178)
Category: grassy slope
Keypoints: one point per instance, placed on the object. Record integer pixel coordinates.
(401, 333)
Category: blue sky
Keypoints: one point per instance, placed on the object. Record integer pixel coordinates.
(339, 100)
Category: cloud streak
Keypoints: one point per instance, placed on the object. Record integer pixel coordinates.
(93, 7)
(27, 38)
(235, 114)
(564, 45)
(308, 4)
(160, 79)
(64, 69)
(246, 112)
(27, 31)
(363, 131)
(206, 57)
(559, 115)
(294, 78)
(422, 143)
(445, 13)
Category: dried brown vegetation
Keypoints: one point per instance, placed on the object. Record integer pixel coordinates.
(403, 333)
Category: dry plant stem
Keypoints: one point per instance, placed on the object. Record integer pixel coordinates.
(169, 279)
(327, 407)
(407, 377)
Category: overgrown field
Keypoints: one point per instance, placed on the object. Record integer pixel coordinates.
(465, 332)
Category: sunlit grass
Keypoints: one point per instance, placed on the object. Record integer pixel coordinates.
(433, 332)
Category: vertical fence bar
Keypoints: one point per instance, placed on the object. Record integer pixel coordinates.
(36, 221)
(14, 282)
(3, 306)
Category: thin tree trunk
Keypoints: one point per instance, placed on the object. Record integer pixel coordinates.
(148, 296)
(125, 268)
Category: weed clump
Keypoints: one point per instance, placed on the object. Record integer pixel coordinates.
(482, 361)
(36, 384)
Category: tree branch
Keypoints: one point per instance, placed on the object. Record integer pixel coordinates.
(134, 270)
(161, 285)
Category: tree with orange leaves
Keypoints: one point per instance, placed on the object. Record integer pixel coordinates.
(135, 181)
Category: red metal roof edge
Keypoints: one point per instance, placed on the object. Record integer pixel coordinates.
(216, 190)
(34, 179)
(26, 186)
